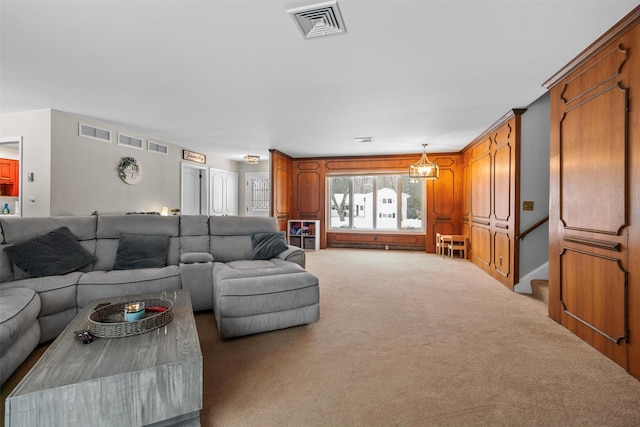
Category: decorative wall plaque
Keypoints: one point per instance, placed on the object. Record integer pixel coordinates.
(194, 157)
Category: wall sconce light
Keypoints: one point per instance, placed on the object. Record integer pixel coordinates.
(165, 211)
(424, 169)
(254, 160)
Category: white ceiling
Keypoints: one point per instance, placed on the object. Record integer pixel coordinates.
(231, 77)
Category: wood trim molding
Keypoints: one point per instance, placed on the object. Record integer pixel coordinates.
(498, 123)
(610, 246)
(616, 31)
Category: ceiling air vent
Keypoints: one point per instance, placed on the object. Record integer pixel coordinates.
(94, 132)
(364, 140)
(157, 147)
(130, 141)
(318, 20)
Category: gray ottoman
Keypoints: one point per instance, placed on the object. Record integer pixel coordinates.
(263, 295)
(19, 328)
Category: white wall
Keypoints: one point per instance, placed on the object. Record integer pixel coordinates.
(75, 175)
(534, 184)
(84, 172)
(35, 129)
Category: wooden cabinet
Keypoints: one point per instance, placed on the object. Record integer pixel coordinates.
(9, 177)
(303, 234)
(594, 209)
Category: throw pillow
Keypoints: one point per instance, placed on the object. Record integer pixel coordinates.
(268, 245)
(141, 251)
(51, 254)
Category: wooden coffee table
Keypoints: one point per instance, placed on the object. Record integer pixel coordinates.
(154, 377)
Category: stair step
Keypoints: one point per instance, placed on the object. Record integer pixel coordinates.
(540, 290)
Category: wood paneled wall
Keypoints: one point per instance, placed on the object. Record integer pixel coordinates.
(594, 212)
(304, 182)
(281, 181)
(491, 198)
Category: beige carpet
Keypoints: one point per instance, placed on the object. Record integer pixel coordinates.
(411, 339)
(406, 338)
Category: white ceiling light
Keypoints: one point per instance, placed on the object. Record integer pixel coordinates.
(251, 159)
(318, 20)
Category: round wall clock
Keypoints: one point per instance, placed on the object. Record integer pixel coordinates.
(132, 176)
(129, 170)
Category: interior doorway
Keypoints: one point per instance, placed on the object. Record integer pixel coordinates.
(194, 200)
(11, 176)
(257, 197)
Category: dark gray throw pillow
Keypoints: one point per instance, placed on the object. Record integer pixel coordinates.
(268, 245)
(141, 251)
(56, 252)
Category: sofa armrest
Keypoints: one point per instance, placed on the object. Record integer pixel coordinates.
(193, 257)
(293, 254)
(196, 275)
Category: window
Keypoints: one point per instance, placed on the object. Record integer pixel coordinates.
(380, 202)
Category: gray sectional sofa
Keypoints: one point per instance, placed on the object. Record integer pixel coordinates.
(239, 267)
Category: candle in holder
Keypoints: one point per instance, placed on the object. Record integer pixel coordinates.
(134, 311)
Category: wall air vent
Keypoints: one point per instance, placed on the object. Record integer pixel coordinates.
(157, 147)
(318, 20)
(130, 141)
(94, 132)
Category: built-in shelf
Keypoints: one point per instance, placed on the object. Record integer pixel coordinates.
(303, 234)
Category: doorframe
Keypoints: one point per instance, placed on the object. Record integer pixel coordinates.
(18, 139)
(204, 186)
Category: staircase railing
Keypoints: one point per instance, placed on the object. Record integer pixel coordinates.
(533, 227)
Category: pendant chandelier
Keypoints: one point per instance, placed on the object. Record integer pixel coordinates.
(424, 169)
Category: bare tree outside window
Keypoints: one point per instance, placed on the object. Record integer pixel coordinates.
(376, 202)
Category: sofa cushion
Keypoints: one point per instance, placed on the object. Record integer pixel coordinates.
(19, 329)
(241, 225)
(194, 233)
(19, 308)
(53, 253)
(103, 284)
(111, 227)
(231, 248)
(256, 272)
(268, 245)
(57, 293)
(141, 251)
(16, 229)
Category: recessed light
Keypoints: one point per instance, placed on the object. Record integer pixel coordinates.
(364, 139)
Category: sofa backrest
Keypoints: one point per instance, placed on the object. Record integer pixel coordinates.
(110, 227)
(227, 238)
(231, 235)
(17, 230)
(194, 233)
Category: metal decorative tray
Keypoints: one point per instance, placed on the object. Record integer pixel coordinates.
(108, 321)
